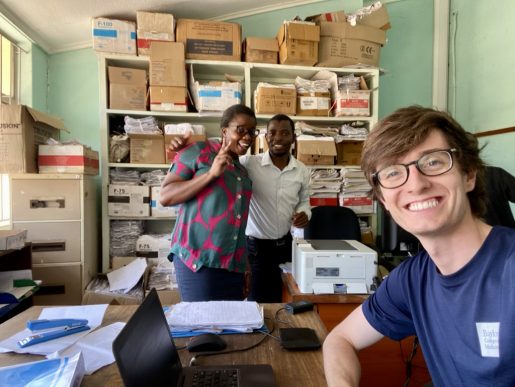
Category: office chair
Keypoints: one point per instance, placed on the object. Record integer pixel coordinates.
(332, 222)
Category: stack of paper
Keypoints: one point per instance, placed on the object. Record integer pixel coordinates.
(354, 183)
(215, 316)
(325, 181)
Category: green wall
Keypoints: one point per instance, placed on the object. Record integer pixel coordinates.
(481, 76)
(73, 94)
(407, 58)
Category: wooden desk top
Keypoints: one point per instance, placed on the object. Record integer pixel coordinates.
(296, 295)
(289, 366)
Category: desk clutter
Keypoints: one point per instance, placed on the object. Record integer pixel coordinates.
(76, 344)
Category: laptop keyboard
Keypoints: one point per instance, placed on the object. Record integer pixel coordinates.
(218, 378)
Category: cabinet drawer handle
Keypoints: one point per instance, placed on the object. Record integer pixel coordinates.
(38, 247)
(47, 203)
(46, 290)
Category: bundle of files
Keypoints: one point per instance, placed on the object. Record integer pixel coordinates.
(153, 178)
(354, 183)
(354, 131)
(306, 128)
(324, 181)
(215, 316)
(124, 176)
(123, 237)
(146, 125)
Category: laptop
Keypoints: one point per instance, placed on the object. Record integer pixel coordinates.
(146, 356)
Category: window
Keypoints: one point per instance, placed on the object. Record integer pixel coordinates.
(9, 84)
(4, 200)
(9, 62)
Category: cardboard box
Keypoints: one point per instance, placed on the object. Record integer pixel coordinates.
(167, 64)
(127, 88)
(97, 292)
(128, 200)
(260, 50)
(298, 43)
(153, 246)
(211, 40)
(215, 96)
(314, 103)
(116, 36)
(12, 239)
(326, 199)
(146, 148)
(367, 238)
(153, 27)
(156, 209)
(260, 145)
(118, 262)
(67, 159)
(349, 152)
(377, 19)
(168, 99)
(316, 150)
(275, 100)
(358, 204)
(352, 103)
(342, 44)
(22, 129)
(168, 297)
(169, 155)
(337, 16)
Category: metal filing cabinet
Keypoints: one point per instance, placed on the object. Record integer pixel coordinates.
(59, 213)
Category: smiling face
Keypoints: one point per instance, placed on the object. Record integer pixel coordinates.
(240, 142)
(430, 205)
(280, 137)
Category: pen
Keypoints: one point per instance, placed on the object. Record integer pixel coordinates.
(46, 336)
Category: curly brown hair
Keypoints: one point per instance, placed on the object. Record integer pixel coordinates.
(406, 128)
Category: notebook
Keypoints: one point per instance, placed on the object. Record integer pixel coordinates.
(146, 356)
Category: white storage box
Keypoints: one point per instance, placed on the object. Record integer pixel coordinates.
(67, 159)
(116, 36)
(128, 200)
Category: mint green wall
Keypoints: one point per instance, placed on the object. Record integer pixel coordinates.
(73, 94)
(481, 76)
(482, 79)
(407, 58)
(34, 78)
(39, 79)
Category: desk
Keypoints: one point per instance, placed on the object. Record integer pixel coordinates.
(289, 367)
(382, 364)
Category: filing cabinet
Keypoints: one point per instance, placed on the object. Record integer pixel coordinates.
(59, 212)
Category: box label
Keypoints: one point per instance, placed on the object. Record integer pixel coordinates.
(209, 47)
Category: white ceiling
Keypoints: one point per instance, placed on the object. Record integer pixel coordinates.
(62, 25)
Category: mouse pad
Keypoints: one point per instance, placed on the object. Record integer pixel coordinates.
(299, 338)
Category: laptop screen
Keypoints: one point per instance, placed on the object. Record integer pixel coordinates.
(144, 350)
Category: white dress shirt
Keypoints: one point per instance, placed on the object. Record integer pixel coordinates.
(276, 195)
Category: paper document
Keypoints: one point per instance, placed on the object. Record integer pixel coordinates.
(93, 313)
(126, 277)
(241, 316)
(96, 347)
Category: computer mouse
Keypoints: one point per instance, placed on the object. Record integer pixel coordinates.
(206, 342)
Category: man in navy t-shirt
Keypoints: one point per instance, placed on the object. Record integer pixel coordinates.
(458, 295)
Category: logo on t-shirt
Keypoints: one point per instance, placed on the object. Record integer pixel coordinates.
(488, 335)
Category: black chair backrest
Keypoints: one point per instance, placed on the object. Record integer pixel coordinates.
(332, 222)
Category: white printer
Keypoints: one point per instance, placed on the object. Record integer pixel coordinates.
(333, 266)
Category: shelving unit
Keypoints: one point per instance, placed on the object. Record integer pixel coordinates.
(249, 73)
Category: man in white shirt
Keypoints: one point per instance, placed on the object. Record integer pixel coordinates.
(280, 199)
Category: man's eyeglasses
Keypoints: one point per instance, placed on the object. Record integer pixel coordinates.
(431, 164)
(241, 131)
